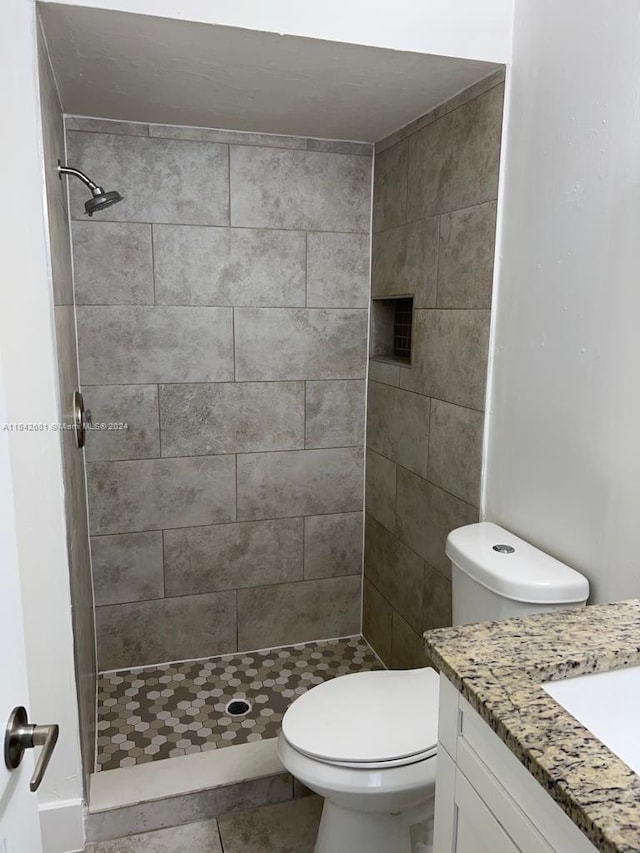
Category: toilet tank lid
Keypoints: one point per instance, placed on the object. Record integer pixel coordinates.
(517, 571)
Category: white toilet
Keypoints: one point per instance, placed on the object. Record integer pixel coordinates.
(366, 742)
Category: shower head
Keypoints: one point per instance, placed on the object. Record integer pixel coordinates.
(99, 198)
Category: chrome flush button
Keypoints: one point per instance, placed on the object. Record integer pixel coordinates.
(504, 549)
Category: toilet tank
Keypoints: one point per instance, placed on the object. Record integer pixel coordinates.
(495, 575)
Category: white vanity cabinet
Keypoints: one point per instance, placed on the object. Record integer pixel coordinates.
(486, 801)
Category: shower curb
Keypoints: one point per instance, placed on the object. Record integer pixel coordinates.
(194, 806)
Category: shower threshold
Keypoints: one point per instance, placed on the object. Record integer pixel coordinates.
(168, 749)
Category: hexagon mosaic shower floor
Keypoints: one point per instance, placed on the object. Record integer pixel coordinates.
(149, 713)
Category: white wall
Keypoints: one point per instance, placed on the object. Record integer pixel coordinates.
(563, 465)
(30, 377)
(464, 28)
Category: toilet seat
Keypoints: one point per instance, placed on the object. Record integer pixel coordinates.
(367, 720)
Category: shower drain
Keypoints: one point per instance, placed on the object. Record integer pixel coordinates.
(237, 708)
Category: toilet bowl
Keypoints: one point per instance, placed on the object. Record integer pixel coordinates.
(366, 742)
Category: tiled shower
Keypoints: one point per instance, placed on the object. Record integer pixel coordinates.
(222, 317)
(224, 350)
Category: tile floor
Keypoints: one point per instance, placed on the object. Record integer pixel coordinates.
(150, 713)
(284, 828)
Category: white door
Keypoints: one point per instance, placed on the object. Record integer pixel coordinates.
(19, 824)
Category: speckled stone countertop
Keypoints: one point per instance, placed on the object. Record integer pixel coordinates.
(499, 667)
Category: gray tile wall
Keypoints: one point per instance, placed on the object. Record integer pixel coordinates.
(222, 314)
(73, 473)
(434, 209)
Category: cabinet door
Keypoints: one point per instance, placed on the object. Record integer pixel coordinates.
(476, 829)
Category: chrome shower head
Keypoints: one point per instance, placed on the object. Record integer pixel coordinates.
(99, 198)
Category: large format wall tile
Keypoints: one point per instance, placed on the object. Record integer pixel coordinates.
(405, 262)
(435, 191)
(465, 260)
(332, 545)
(381, 489)
(341, 146)
(112, 263)
(106, 125)
(302, 343)
(231, 417)
(337, 270)
(133, 405)
(299, 482)
(299, 189)
(407, 647)
(228, 137)
(455, 450)
(152, 494)
(335, 413)
(195, 265)
(60, 253)
(425, 517)
(390, 187)
(162, 180)
(454, 162)
(384, 371)
(436, 602)
(298, 612)
(136, 344)
(232, 556)
(450, 356)
(398, 425)
(222, 315)
(127, 567)
(168, 629)
(377, 616)
(395, 570)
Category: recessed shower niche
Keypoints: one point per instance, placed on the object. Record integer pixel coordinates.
(391, 329)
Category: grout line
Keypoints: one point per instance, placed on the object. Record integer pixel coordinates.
(367, 380)
(237, 620)
(228, 453)
(229, 182)
(254, 144)
(396, 536)
(304, 417)
(442, 105)
(263, 649)
(228, 382)
(236, 472)
(304, 542)
(434, 214)
(164, 569)
(233, 342)
(438, 259)
(159, 422)
(408, 184)
(426, 396)
(153, 265)
(306, 269)
(223, 306)
(220, 225)
(424, 479)
(428, 454)
(225, 523)
(234, 589)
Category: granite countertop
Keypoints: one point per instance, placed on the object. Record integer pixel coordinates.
(499, 667)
